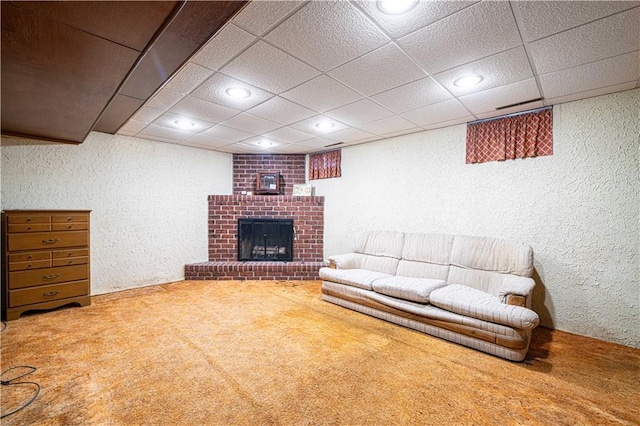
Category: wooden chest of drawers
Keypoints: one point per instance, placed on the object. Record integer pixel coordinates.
(45, 260)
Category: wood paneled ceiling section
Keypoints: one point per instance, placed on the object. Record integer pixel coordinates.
(72, 67)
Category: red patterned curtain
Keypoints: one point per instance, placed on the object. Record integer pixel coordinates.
(520, 136)
(324, 165)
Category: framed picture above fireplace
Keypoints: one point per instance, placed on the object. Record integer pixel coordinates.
(268, 183)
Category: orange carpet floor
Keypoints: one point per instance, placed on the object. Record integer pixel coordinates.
(273, 353)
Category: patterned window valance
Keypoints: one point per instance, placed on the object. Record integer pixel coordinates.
(324, 165)
(519, 136)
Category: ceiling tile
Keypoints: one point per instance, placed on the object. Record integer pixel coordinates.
(591, 93)
(291, 149)
(164, 99)
(147, 114)
(197, 108)
(497, 70)
(240, 148)
(421, 15)
(543, 18)
(359, 112)
(608, 72)
(153, 131)
(448, 123)
(309, 125)
(489, 28)
(412, 95)
(264, 66)
(322, 94)
(281, 111)
(443, 111)
(512, 110)
(489, 100)
(188, 78)
(251, 123)
(598, 40)
(326, 34)
(320, 144)
(205, 140)
(169, 119)
(349, 135)
(387, 125)
(260, 16)
(228, 43)
(289, 135)
(132, 127)
(227, 133)
(403, 132)
(377, 71)
(215, 90)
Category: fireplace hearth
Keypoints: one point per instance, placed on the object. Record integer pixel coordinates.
(265, 240)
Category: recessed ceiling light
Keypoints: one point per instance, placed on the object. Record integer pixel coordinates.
(265, 143)
(325, 125)
(184, 124)
(396, 7)
(468, 80)
(238, 92)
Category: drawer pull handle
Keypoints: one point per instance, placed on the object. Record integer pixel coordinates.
(50, 241)
(28, 219)
(69, 218)
(50, 293)
(50, 277)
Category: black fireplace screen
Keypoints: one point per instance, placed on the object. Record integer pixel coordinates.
(265, 239)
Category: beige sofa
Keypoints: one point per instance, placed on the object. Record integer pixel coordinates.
(474, 291)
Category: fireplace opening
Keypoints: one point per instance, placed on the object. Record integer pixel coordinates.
(265, 240)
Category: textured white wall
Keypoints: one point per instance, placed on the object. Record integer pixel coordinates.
(148, 200)
(578, 208)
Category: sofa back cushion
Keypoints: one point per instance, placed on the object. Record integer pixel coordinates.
(379, 251)
(384, 264)
(483, 263)
(380, 243)
(426, 256)
(492, 254)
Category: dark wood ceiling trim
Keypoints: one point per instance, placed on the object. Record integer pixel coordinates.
(72, 67)
(186, 30)
(57, 75)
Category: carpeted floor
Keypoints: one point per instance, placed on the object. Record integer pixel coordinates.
(273, 353)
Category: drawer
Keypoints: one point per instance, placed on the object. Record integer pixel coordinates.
(32, 264)
(70, 253)
(38, 240)
(69, 218)
(36, 277)
(28, 218)
(77, 226)
(29, 227)
(71, 261)
(23, 257)
(46, 293)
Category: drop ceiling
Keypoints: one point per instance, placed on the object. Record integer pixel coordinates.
(374, 76)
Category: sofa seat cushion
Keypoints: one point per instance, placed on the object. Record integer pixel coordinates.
(413, 289)
(474, 303)
(360, 278)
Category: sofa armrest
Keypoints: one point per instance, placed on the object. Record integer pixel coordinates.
(516, 290)
(344, 261)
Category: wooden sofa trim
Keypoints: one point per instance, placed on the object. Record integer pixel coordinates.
(501, 340)
(517, 301)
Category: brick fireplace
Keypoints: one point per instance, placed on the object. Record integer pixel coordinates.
(225, 210)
